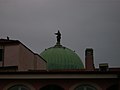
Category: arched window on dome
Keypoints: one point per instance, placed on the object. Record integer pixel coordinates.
(19, 87)
(85, 87)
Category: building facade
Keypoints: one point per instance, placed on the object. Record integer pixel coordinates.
(56, 68)
(15, 54)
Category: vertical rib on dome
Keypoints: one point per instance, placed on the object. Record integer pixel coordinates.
(61, 58)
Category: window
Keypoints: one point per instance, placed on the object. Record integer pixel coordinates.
(1, 53)
(18, 87)
(85, 87)
(52, 87)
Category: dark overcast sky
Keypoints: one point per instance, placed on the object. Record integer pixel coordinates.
(83, 24)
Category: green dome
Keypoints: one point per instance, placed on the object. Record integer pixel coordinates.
(59, 57)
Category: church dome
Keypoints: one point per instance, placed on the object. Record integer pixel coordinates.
(59, 57)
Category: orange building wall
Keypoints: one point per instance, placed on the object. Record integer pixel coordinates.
(21, 56)
(40, 63)
(26, 58)
(11, 55)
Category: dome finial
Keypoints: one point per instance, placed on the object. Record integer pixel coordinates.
(58, 37)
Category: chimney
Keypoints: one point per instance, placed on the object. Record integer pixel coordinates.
(89, 62)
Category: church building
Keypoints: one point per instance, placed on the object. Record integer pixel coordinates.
(56, 68)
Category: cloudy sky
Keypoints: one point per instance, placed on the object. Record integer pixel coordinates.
(83, 24)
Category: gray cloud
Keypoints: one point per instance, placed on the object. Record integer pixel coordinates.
(83, 23)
